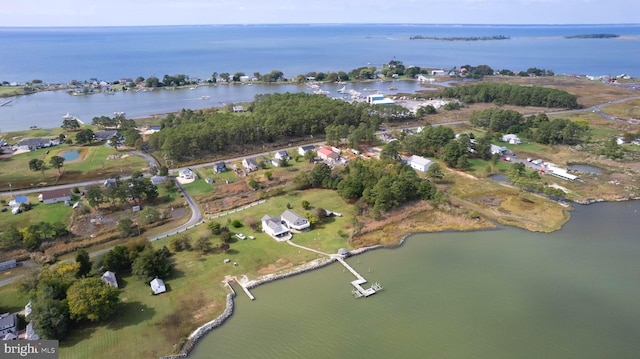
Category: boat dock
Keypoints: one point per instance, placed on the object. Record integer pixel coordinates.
(359, 291)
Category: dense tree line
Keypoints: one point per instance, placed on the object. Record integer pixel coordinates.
(119, 122)
(33, 235)
(506, 94)
(273, 117)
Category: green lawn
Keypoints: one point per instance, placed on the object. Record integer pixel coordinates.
(50, 213)
(93, 163)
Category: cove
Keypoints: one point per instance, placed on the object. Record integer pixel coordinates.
(504, 293)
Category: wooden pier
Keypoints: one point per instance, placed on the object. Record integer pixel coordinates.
(359, 291)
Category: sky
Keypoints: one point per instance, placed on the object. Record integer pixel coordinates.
(29, 13)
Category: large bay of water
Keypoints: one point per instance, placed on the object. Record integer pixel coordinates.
(64, 54)
(503, 293)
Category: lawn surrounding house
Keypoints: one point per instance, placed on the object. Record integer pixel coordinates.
(39, 212)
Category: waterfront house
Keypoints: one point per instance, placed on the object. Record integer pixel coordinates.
(109, 278)
(379, 99)
(273, 227)
(238, 108)
(302, 150)
(295, 221)
(55, 196)
(219, 167)
(106, 135)
(157, 286)
(34, 143)
(250, 164)
(419, 163)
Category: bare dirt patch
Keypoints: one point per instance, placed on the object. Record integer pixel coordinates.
(280, 264)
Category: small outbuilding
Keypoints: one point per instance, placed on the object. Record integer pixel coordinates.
(109, 278)
(157, 286)
(419, 163)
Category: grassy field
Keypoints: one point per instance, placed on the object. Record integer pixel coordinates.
(92, 164)
(196, 294)
(50, 213)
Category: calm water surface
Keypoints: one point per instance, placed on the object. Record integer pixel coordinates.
(503, 293)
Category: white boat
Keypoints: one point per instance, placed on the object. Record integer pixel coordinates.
(343, 89)
(205, 97)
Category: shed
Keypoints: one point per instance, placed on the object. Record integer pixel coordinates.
(17, 201)
(157, 286)
(109, 278)
(420, 163)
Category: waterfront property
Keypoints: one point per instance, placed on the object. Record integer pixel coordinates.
(55, 196)
(295, 221)
(106, 135)
(273, 227)
(379, 99)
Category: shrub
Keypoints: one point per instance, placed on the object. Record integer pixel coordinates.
(236, 223)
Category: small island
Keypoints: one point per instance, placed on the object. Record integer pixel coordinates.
(592, 36)
(461, 38)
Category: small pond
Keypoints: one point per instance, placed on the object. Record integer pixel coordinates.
(500, 178)
(585, 168)
(70, 155)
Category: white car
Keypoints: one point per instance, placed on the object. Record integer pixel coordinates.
(241, 236)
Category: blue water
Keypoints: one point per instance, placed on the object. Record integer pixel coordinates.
(70, 155)
(60, 55)
(63, 54)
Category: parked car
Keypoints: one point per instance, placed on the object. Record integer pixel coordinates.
(241, 236)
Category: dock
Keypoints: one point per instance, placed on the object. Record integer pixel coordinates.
(359, 291)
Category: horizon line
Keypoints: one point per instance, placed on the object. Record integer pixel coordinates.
(319, 24)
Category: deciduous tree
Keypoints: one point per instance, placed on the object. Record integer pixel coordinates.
(90, 298)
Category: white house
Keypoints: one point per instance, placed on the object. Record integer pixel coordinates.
(302, 150)
(55, 196)
(294, 221)
(498, 149)
(419, 163)
(281, 155)
(109, 278)
(157, 286)
(379, 99)
(273, 227)
(250, 164)
(511, 138)
(186, 173)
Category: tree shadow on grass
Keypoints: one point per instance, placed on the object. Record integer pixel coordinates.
(232, 252)
(130, 313)
(78, 332)
(176, 273)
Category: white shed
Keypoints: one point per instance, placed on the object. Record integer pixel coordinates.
(157, 286)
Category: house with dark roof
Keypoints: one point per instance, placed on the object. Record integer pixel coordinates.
(295, 221)
(34, 143)
(219, 167)
(250, 164)
(106, 135)
(55, 196)
(302, 150)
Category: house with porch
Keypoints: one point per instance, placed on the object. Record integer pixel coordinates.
(273, 227)
(295, 221)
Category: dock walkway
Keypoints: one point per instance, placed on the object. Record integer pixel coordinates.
(357, 284)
